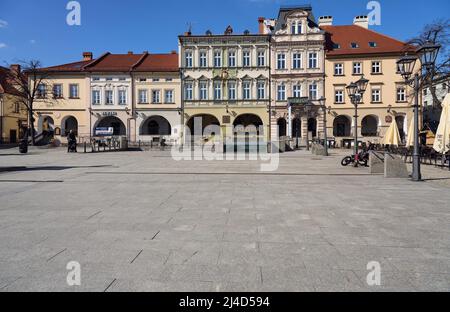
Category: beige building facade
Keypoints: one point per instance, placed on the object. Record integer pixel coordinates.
(297, 71)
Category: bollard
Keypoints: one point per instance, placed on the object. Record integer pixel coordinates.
(85, 147)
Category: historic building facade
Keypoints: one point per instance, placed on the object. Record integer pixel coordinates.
(137, 95)
(225, 82)
(297, 71)
(353, 51)
(13, 115)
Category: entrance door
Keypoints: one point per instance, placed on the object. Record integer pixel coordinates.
(13, 136)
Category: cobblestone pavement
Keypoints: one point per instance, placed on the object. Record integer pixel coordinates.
(140, 221)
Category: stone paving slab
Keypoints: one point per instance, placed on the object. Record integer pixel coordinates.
(140, 221)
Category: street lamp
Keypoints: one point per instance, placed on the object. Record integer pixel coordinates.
(356, 92)
(427, 54)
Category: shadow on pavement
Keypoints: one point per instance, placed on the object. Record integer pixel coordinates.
(47, 168)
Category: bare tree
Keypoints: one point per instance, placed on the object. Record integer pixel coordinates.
(436, 33)
(28, 82)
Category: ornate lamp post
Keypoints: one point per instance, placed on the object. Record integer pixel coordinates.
(427, 54)
(356, 92)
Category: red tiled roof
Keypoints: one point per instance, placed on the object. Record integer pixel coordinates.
(158, 63)
(71, 67)
(6, 85)
(122, 63)
(348, 34)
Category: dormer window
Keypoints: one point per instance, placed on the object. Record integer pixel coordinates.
(354, 45)
(336, 46)
(296, 28)
(372, 44)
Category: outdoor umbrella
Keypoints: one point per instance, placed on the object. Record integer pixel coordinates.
(442, 142)
(410, 139)
(392, 136)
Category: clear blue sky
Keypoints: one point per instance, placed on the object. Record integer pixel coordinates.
(31, 29)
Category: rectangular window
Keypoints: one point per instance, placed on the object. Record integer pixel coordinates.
(297, 60)
(231, 90)
(203, 59)
(376, 95)
(57, 91)
(401, 94)
(188, 91)
(313, 91)
(156, 96)
(143, 97)
(281, 94)
(122, 97)
(339, 96)
(339, 69)
(217, 91)
(232, 58)
(261, 90)
(376, 67)
(109, 97)
(246, 59)
(357, 68)
(281, 61)
(73, 91)
(297, 91)
(296, 28)
(312, 60)
(41, 91)
(188, 59)
(261, 58)
(203, 91)
(168, 97)
(246, 90)
(95, 97)
(217, 59)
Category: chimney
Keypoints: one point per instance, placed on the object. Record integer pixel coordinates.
(326, 21)
(15, 68)
(188, 33)
(130, 52)
(261, 25)
(88, 56)
(362, 21)
(173, 52)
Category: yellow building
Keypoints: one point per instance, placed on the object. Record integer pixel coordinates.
(13, 114)
(354, 51)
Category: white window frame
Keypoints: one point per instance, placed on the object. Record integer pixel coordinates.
(354, 66)
(339, 69)
(281, 92)
(188, 91)
(143, 99)
(246, 90)
(217, 91)
(313, 60)
(203, 90)
(109, 97)
(189, 59)
(232, 58)
(297, 60)
(169, 96)
(96, 100)
(203, 59)
(232, 90)
(281, 61)
(297, 90)
(261, 58)
(122, 97)
(217, 59)
(246, 58)
(261, 93)
(313, 91)
(156, 96)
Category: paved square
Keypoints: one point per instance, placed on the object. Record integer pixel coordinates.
(140, 221)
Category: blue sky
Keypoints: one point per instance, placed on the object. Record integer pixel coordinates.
(31, 29)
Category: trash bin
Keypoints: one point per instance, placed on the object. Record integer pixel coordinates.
(23, 146)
